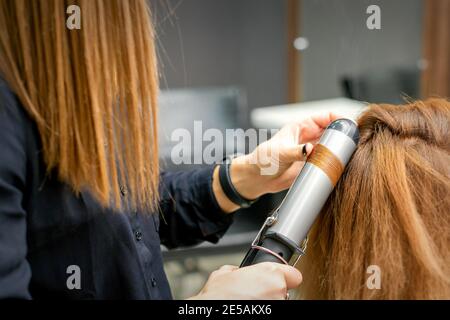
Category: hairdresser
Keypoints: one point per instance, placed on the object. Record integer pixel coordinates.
(83, 205)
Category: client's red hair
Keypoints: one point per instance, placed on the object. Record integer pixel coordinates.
(391, 208)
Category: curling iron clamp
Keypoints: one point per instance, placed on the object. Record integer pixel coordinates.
(283, 236)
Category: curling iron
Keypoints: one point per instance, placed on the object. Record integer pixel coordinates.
(283, 236)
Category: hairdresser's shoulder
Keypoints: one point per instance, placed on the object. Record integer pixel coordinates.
(17, 129)
(12, 113)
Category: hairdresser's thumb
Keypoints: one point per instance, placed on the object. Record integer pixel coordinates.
(292, 276)
(297, 153)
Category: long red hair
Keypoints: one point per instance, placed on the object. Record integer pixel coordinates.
(391, 209)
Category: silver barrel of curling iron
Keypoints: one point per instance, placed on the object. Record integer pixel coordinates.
(283, 236)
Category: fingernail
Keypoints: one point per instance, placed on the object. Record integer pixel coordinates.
(304, 151)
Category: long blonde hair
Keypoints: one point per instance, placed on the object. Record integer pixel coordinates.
(92, 91)
(391, 209)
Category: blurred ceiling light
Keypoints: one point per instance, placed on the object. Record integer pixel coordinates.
(301, 43)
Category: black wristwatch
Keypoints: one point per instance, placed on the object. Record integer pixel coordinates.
(228, 187)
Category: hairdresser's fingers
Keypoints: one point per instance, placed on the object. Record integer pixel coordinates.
(222, 270)
(313, 127)
(228, 268)
(292, 276)
(288, 177)
(322, 120)
(296, 153)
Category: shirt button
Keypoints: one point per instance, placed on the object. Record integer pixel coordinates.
(153, 282)
(138, 235)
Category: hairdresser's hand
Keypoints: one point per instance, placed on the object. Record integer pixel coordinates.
(268, 281)
(274, 164)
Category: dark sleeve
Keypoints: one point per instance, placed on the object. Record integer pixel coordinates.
(14, 269)
(189, 212)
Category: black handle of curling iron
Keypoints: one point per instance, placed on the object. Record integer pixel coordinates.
(271, 249)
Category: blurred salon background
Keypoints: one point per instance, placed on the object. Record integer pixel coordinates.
(263, 63)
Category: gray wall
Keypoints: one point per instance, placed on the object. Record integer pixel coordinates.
(341, 44)
(224, 42)
(244, 43)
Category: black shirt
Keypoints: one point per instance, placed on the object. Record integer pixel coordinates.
(48, 235)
